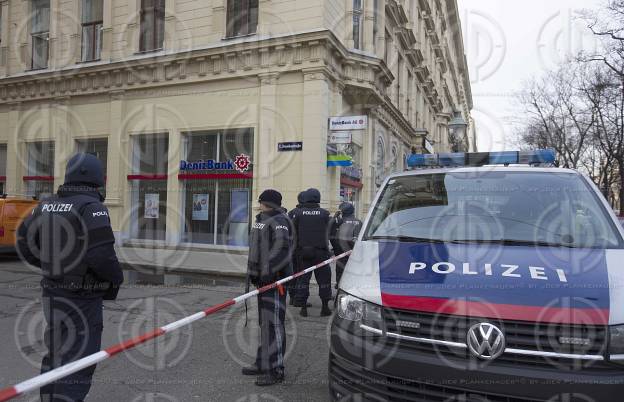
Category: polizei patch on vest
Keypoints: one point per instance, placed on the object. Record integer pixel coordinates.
(311, 212)
(504, 270)
(56, 207)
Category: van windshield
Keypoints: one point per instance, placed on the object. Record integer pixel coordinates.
(515, 208)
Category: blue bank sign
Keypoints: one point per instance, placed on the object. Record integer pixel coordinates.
(241, 163)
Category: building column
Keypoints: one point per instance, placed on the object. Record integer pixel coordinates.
(170, 26)
(174, 218)
(107, 31)
(15, 153)
(25, 58)
(367, 26)
(60, 113)
(333, 173)
(264, 174)
(4, 34)
(55, 35)
(132, 36)
(314, 171)
(218, 18)
(118, 166)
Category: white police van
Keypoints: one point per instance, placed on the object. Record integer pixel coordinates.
(483, 277)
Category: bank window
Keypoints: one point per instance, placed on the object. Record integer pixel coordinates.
(357, 24)
(152, 25)
(242, 17)
(39, 33)
(3, 167)
(217, 194)
(40, 170)
(97, 147)
(150, 155)
(92, 11)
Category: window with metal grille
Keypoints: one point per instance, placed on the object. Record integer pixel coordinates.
(152, 25)
(39, 33)
(92, 11)
(242, 17)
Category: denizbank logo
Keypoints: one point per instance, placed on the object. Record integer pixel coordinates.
(241, 163)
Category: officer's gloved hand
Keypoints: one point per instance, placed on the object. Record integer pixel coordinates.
(337, 215)
(254, 280)
(111, 293)
(267, 280)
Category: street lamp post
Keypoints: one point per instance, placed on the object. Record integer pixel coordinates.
(457, 131)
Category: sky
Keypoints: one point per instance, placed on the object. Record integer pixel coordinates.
(506, 44)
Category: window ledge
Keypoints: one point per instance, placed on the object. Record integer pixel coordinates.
(141, 52)
(238, 36)
(89, 61)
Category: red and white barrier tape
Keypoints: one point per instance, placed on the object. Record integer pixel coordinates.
(63, 371)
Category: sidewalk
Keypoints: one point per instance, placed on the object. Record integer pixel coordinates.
(163, 260)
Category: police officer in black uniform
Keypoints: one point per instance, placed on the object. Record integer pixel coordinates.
(69, 236)
(292, 285)
(312, 224)
(270, 259)
(344, 233)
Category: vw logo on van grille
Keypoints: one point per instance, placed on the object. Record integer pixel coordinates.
(486, 341)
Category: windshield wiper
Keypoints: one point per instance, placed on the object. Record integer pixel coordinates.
(407, 239)
(512, 242)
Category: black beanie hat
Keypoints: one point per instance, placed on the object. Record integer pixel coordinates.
(271, 198)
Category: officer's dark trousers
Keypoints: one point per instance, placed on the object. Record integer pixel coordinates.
(74, 330)
(271, 317)
(322, 276)
(340, 266)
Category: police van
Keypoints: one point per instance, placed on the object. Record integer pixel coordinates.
(483, 277)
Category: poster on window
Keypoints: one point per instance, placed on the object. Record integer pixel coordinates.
(151, 206)
(200, 207)
(239, 206)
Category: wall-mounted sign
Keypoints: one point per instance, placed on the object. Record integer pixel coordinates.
(289, 146)
(428, 146)
(348, 123)
(353, 172)
(340, 137)
(241, 163)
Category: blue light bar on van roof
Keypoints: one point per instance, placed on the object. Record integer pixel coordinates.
(537, 157)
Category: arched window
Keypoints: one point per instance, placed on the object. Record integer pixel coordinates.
(395, 159)
(381, 161)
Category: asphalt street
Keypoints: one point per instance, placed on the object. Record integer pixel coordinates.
(201, 362)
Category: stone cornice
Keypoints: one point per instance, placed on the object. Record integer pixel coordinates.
(274, 55)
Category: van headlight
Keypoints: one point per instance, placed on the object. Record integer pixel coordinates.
(616, 342)
(359, 311)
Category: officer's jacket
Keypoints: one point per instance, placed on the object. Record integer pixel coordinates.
(270, 247)
(69, 236)
(344, 233)
(312, 225)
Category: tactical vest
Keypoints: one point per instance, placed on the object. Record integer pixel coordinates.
(312, 228)
(63, 242)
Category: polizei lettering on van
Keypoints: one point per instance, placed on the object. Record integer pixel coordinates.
(504, 270)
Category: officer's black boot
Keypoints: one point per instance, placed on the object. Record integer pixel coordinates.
(325, 311)
(304, 311)
(251, 370)
(270, 378)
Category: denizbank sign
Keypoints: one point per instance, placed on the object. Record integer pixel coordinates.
(241, 163)
(348, 123)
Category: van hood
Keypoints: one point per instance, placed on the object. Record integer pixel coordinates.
(524, 283)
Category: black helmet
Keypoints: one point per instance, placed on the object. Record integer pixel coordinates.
(86, 169)
(347, 208)
(313, 196)
(301, 197)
